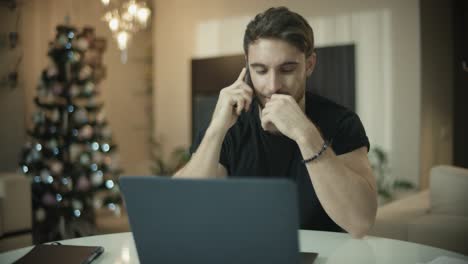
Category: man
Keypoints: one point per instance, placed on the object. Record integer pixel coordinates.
(274, 128)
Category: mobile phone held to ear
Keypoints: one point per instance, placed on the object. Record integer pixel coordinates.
(247, 78)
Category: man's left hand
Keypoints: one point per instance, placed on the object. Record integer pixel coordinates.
(283, 113)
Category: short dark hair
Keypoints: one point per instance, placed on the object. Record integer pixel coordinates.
(281, 23)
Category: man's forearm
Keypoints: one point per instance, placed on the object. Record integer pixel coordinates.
(205, 161)
(348, 197)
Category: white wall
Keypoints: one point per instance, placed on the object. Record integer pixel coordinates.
(387, 38)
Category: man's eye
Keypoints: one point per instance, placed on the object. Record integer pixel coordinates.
(288, 69)
(261, 72)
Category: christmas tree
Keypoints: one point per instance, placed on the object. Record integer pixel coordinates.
(70, 158)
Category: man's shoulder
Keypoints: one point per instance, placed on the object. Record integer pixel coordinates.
(329, 116)
(318, 107)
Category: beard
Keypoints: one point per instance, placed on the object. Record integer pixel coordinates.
(298, 96)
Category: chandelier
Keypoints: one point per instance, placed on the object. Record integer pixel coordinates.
(124, 20)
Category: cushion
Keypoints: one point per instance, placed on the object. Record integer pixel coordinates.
(449, 190)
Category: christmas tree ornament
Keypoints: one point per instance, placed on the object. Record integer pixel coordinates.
(56, 167)
(98, 157)
(92, 57)
(89, 88)
(97, 202)
(83, 184)
(92, 102)
(85, 159)
(57, 89)
(49, 98)
(55, 116)
(77, 204)
(81, 44)
(100, 44)
(75, 151)
(97, 178)
(52, 144)
(80, 116)
(86, 132)
(108, 161)
(85, 72)
(48, 199)
(74, 91)
(100, 117)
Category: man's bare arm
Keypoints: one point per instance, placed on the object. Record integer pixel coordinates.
(346, 189)
(233, 99)
(204, 163)
(344, 184)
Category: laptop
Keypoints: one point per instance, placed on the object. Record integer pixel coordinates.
(214, 220)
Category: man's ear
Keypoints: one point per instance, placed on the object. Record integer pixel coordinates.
(310, 63)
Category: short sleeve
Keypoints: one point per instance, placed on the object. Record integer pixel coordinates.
(223, 157)
(350, 135)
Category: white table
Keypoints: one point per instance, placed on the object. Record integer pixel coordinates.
(332, 248)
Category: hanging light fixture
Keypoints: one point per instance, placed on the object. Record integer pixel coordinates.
(143, 15)
(122, 39)
(114, 24)
(131, 17)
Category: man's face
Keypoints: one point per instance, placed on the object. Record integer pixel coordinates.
(278, 67)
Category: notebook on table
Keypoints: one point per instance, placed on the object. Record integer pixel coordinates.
(54, 254)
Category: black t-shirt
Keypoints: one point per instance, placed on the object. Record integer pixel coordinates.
(249, 151)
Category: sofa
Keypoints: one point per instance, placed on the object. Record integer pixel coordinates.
(436, 217)
(15, 211)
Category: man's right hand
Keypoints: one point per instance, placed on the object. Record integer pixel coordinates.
(231, 102)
